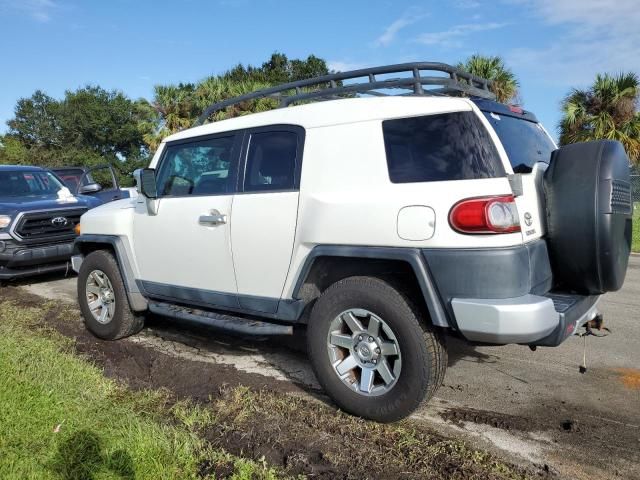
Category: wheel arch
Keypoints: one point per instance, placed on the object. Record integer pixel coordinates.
(327, 264)
(85, 244)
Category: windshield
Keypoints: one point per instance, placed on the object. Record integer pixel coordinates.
(25, 184)
(525, 142)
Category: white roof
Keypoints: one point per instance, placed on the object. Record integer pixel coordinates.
(333, 112)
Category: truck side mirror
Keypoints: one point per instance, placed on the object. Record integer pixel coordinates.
(146, 182)
(90, 188)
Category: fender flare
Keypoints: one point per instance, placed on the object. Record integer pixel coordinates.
(137, 301)
(412, 256)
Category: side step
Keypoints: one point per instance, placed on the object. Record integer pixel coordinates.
(219, 320)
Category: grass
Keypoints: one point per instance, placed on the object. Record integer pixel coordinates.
(60, 418)
(635, 245)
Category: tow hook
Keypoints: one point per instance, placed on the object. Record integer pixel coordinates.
(597, 324)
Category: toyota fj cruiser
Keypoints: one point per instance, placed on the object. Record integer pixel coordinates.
(380, 223)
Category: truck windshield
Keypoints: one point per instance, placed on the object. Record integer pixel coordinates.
(24, 184)
(525, 142)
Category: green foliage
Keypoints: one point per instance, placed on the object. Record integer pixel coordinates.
(505, 84)
(608, 109)
(89, 126)
(92, 126)
(180, 105)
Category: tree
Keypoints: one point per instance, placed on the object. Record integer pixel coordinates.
(89, 126)
(106, 122)
(505, 85)
(180, 105)
(37, 121)
(608, 109)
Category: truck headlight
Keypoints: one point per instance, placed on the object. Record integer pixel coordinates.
(5, 221)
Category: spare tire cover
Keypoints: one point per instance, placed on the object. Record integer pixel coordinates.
(589, 208)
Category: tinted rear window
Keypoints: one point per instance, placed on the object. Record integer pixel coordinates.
(450, 146)
(525, 142)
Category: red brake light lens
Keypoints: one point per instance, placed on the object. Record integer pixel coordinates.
(485, 215)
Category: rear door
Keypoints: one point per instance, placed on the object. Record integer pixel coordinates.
(265, 211)
(529, 148)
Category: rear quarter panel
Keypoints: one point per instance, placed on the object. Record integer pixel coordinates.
(348, 199)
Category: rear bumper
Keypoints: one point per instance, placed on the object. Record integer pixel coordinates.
(529, 319)
(17, 260)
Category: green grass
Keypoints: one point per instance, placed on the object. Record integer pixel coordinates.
(60, 418)
(635, 245)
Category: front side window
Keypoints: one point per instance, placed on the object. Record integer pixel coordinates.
(202, 167)
(449, 146)
(271, 161)
(25, 184)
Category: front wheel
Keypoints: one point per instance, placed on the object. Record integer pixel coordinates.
(103, 298)
(371, 353)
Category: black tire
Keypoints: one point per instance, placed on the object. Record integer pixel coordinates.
(124, 321)
(424, 356)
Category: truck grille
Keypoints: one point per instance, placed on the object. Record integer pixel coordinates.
(52, 225)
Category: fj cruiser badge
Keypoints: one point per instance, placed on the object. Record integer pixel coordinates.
(528, 220)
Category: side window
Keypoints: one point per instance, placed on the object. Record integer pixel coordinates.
(450, 146)
(271, 161)
(202, 167)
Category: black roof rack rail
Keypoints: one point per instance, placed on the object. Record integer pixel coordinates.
(331, 86)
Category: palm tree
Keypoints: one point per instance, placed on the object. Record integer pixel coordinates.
(606, 110)
(505, 85)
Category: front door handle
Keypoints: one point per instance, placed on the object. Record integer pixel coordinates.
(214, 218)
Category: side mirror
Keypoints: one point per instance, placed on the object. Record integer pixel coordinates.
(90, 188)
(146, 182)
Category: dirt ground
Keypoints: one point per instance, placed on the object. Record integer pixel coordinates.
(542, 416)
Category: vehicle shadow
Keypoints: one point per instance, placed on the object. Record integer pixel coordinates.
(81, 457)
(37, 279)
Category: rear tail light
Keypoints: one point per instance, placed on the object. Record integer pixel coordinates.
(485, 215)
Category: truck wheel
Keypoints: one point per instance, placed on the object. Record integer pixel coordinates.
(371, 353)
(103, 298)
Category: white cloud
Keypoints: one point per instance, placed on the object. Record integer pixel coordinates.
(39, 10)
(453, 36)
(340, 66)
(598, 36)
(410, 17)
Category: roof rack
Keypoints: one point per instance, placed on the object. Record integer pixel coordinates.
(331, 86)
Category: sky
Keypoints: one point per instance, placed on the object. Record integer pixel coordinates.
(551, 45)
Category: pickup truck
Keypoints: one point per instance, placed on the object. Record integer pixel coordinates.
(38, 219)
(100, 182)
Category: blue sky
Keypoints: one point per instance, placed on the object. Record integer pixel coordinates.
(552, 45)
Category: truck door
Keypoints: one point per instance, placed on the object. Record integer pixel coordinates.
(184, 251)
(265, 212)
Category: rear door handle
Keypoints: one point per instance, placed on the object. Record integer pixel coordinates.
(214, 218)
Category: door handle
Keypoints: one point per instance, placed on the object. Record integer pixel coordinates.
(214, 218)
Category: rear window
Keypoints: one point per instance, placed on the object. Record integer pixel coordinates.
(450, 146)
(525, 142)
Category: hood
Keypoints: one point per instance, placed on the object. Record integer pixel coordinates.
(14, 205)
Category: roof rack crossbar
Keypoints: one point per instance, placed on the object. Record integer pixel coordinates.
(457, 82)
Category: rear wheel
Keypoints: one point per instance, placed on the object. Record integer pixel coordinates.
(371, 353)
(103, 298)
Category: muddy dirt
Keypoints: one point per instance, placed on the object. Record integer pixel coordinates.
(268, 419)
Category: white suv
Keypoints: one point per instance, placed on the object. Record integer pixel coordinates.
(380, 223)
